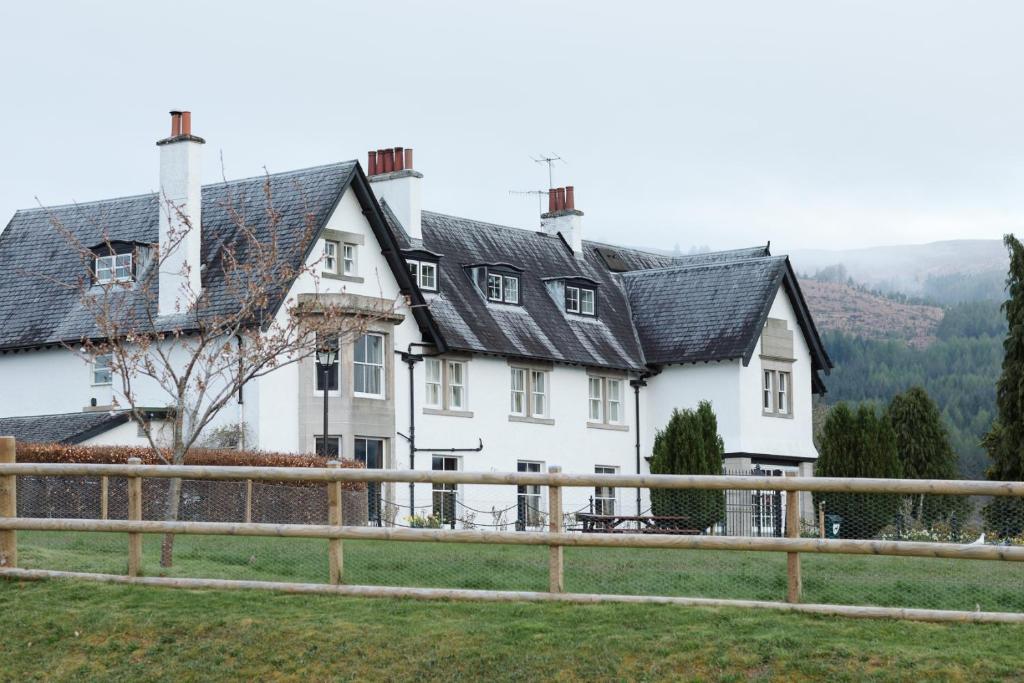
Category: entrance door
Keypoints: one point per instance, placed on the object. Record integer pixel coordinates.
(370, 452)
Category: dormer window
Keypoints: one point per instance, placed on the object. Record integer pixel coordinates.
(503, 288)
(424, 274)
(580, 300)
(113, 268)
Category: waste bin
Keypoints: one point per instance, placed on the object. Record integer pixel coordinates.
(833, 523)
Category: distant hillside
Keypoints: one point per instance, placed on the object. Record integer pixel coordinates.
(840, 307)
(945, 272)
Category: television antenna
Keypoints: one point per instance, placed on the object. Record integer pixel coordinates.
(550, 160)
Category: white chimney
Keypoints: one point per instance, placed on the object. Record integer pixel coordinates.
(181, 200)
(563, 219)
(394, 181)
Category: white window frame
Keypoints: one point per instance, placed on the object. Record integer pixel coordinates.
(588, 307)
(511, 293)
(782, 393)
(105, 368)
(433, 383)
(527, 395)
(530, 492)
(114, 264)
(768, 391)
(542, 395)
(518, 394)
(572, 299)
(430, 284)
(330, 257)
(595, 400)
(495, 282)
(361, 366)
(617, 418)
(776, 389)
(452, 368)
(349, 259)
(605, 494)
(445, 489)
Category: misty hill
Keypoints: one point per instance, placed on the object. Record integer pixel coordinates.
(944, 272)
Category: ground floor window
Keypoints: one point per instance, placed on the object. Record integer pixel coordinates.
(604, 496)
(528, 502)
(445, 495)
(333, 446)
(370, 452)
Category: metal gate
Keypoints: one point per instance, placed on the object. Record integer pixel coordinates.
(754, 513)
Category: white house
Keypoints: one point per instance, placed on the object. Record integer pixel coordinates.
(516, 349)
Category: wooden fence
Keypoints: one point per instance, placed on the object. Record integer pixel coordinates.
(556, 539)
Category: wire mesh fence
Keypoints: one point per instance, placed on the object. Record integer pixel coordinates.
(604, 511)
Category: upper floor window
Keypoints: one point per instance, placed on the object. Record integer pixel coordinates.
(445, 385)
(580, 300)
(424, 274)
(101, 369)
(368, 366)
(604, 405)
(113, 268)
(775, 392)
(503, 288)
(348, 259)
(529, 393)
(331, 256)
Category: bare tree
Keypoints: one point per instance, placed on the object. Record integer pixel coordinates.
(243, 327)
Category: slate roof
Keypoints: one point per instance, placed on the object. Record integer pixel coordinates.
(34, 310)
(66, 428)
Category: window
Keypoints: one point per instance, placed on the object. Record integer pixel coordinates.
(445, 385)
(579, 300)
(332, 371)
(596, 385)
(432, 384)
(776, 391)
(494, 287)
(614, 400)
(445, 495)
(333, 446)
(782, 405)
(604, 405)
(368, 366)
(587, 301)
(456, 385)
(424, 274)
(538, 393)
(518, 391)
(348, 261)
(604, 496)
(330, 256)
(113, 268)
(572, 299)
(503, 288)
(528, 500)
(529, 393)
(101, 372)
(370, 452)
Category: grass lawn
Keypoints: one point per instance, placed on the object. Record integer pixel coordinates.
(868, 580)
(62, 630)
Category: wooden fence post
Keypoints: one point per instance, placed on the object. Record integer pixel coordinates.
(8, 505)
(821, 519)
(248, 501)
(104, 496)
(794, 582)
(134, 514)
(556, 564)
(335, 552)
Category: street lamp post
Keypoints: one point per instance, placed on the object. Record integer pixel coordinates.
(326, 354)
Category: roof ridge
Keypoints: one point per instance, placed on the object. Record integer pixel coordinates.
(696, 266)
(536, 231)
(219, 183)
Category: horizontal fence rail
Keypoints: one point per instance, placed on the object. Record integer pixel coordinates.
(648, 481)
(784, 513)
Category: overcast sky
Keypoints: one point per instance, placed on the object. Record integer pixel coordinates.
(810, 124)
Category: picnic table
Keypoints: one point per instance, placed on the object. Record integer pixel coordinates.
(644, 524)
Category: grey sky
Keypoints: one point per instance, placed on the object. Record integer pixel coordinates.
(813, 124)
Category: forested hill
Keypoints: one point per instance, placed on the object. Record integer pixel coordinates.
(958, 362)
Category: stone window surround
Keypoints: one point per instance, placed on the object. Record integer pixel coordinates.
(342, 238)
(604, 376)
(775, 366)
(445, 410)
(528, 366)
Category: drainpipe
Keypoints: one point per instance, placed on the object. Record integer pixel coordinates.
(637, 383)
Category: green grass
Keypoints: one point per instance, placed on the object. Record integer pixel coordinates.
(866, 580)
(74, 631)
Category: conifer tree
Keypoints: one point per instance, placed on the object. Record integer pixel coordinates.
(689, 444)
(1005, 441)
(858, 443)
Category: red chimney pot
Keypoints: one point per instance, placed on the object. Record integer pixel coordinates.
(551, 200)
(186, 123)
(560, 199)
(570, 199)
(389, 160)
(399, 159)
(408, 158)
(371, 163)
(175, 124)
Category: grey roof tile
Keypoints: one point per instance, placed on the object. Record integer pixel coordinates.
(63, 428)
